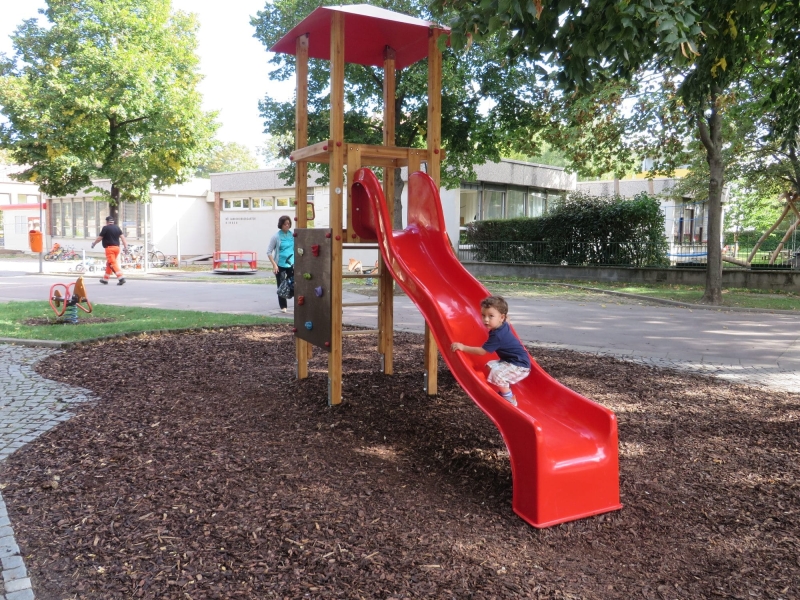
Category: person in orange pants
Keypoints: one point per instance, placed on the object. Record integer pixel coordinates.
(111, 235)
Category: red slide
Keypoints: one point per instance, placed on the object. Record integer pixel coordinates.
(562, 446)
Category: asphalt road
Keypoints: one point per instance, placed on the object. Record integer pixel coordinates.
(677, 334)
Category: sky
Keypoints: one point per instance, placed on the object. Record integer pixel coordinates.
(233, 62)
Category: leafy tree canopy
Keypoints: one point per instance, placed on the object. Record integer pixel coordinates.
(105, 90)
(5, 157)
(227, 157)
(702, 48)
(477, 105)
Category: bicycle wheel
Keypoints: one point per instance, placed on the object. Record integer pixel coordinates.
(157, 259)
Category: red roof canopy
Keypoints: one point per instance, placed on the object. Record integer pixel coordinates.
(368, 30)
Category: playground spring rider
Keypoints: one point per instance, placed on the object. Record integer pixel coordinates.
(68, 302)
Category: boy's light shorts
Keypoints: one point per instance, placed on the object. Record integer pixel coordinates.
(503, 373)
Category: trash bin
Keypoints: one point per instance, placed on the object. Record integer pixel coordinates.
(35, 240)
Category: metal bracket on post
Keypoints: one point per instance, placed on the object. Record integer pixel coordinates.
(330, 400)
(425, 381)
(383, 362)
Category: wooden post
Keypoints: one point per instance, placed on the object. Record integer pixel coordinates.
(336, 204)
(302, 348)
(353, 165)
(386, 283)
(434, 171)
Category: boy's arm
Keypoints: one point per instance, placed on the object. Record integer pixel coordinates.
(476, 350)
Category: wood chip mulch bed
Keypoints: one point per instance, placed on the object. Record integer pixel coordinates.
(205, 470)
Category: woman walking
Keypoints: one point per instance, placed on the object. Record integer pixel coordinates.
(281, 254)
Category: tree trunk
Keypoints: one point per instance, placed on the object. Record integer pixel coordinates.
(113, 206)
(711, 136)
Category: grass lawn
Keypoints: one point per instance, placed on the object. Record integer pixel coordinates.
(738, 297)
(36, 320)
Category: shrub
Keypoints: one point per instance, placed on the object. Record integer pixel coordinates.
(579, 229)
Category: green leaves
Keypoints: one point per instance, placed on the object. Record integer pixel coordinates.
(107, 90)
(581, 229)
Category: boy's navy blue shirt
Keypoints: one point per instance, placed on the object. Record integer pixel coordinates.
(507, 346)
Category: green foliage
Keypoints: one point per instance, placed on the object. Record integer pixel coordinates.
(227, 157)
(105, 90)
(580, 229)
(747, 240)
(470, 135)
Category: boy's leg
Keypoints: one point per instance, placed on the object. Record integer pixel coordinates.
(504, 374)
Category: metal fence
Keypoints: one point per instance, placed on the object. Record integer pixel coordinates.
(617, 255)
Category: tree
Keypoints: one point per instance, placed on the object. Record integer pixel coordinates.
(227, 157)
(105, 90)
(476, 90)
(704, 46)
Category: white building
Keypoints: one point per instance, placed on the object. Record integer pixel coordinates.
(248, 204)
(20, 207)
(179, 219)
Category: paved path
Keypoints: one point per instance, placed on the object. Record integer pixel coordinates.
(29, 406)
(755, 348)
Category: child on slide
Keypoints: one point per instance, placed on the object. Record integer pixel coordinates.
(514, 364)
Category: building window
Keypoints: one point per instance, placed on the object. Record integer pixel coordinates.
(77, 213)
(537, 203)
(129, 225)
(493, 204)
(284, 202)
(20, 225)
(29, 199)
(66, 218)
(5, 199)
(55, 217)
(90, 208)
(262, 203)
(515, 204)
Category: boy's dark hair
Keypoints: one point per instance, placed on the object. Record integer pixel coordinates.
(496, 302)
(283, 219)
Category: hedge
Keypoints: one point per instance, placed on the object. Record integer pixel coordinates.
(579, 229)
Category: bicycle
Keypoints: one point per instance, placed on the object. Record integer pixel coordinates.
(54, 253)
(156, 259)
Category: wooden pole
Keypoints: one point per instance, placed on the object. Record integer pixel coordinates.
(434, 171)
(302, 347)
(336, 204)
(386, 283)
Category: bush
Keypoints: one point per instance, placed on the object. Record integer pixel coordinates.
(748, 239)
(579, 229)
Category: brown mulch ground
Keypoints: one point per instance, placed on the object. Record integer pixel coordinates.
(206, 471)
(83, 319)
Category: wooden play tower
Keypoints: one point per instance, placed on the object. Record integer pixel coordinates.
(370, 36)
